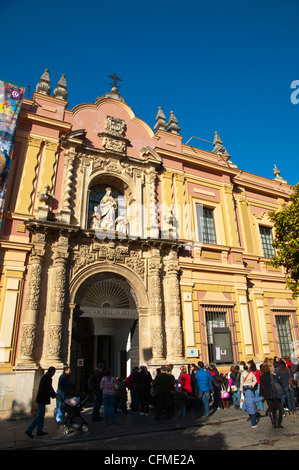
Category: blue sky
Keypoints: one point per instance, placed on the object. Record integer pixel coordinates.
(222, 65)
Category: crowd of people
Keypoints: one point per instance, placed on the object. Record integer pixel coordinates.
(271, 387)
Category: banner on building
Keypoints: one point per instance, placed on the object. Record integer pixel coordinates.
(11, 96)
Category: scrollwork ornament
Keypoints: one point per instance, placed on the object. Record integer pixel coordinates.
(28, 340)
(55, 337)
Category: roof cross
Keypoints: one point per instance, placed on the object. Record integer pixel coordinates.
(115, 79)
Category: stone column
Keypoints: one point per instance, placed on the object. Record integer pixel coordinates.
(32, 298)
(173, 311)
(57, 300)
(66, 212)
(156, 310)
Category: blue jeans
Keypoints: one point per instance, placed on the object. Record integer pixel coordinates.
(109, 407)
(38, 421)
(203, 401)
(97, 404)
(290, 398)
(259, 404)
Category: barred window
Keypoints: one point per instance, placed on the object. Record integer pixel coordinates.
(267, 241)
(206, 226)
(284, 334)
(219, 319)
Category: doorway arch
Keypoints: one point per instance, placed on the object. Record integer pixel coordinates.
(113, 301)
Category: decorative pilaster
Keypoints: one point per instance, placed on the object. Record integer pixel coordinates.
(173, 309)
(67, 192)
(58, 299)
(32, 299)
(156, 319)
(31, 162)
(153, 226)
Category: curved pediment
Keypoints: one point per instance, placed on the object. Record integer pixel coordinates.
(100, 121)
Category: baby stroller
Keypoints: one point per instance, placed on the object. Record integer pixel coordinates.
(73, 417)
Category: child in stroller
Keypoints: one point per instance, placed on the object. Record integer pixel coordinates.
(74, 419)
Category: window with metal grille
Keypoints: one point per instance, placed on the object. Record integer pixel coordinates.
(284, 334)
(267, 241)
(206, 226)
(218, 317)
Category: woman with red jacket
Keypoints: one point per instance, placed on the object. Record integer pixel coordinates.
(185, 393)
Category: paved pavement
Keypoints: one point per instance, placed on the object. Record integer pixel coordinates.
(225, 429)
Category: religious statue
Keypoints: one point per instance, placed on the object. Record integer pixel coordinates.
(107, 210)
(122, 223)
(95, 218)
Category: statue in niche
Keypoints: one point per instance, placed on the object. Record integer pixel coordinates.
(106, 211)
(95, 218)
(122, 223)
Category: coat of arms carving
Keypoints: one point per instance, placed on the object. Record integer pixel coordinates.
(114, 139)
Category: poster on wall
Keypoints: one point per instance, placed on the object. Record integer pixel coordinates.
(11, 96)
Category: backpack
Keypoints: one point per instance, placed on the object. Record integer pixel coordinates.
(276, 388)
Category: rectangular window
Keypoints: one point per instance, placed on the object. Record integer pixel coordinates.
(206, 226)
(284, 334)
(267, 241)
(220, 348)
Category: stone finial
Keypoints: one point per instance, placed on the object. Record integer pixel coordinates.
(43, 86)
(160, 120)
(60, 92)
(173, 124)
(218, 147)
(276, 172)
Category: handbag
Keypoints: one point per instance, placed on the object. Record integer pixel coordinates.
(234, 388)
(224, 393)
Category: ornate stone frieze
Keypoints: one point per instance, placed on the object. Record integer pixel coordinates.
(54, 343)
(175, 342)
(33, 289)
(83, 257)
(109, 252)
(136, 263)
(157, 340)
(28, 340)
(113, 144)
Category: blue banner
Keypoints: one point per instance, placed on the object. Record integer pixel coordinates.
(11, 96)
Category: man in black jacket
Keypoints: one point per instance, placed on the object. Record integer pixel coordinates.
(43, 398)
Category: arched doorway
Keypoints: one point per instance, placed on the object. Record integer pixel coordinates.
(105, 328)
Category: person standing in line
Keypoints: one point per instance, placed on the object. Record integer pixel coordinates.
(283, 376)
(296, 378)
(133, 381)
(235, 386)
(109, 388)
(164, 384)
(184, 394)
(257, 373)
(144, 387)
(248, 382)
(43, 398)
(205, 385)
(272, 396)
(95, 382)
(63, 391)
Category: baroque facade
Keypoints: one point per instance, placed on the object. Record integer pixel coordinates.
(122, 244)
